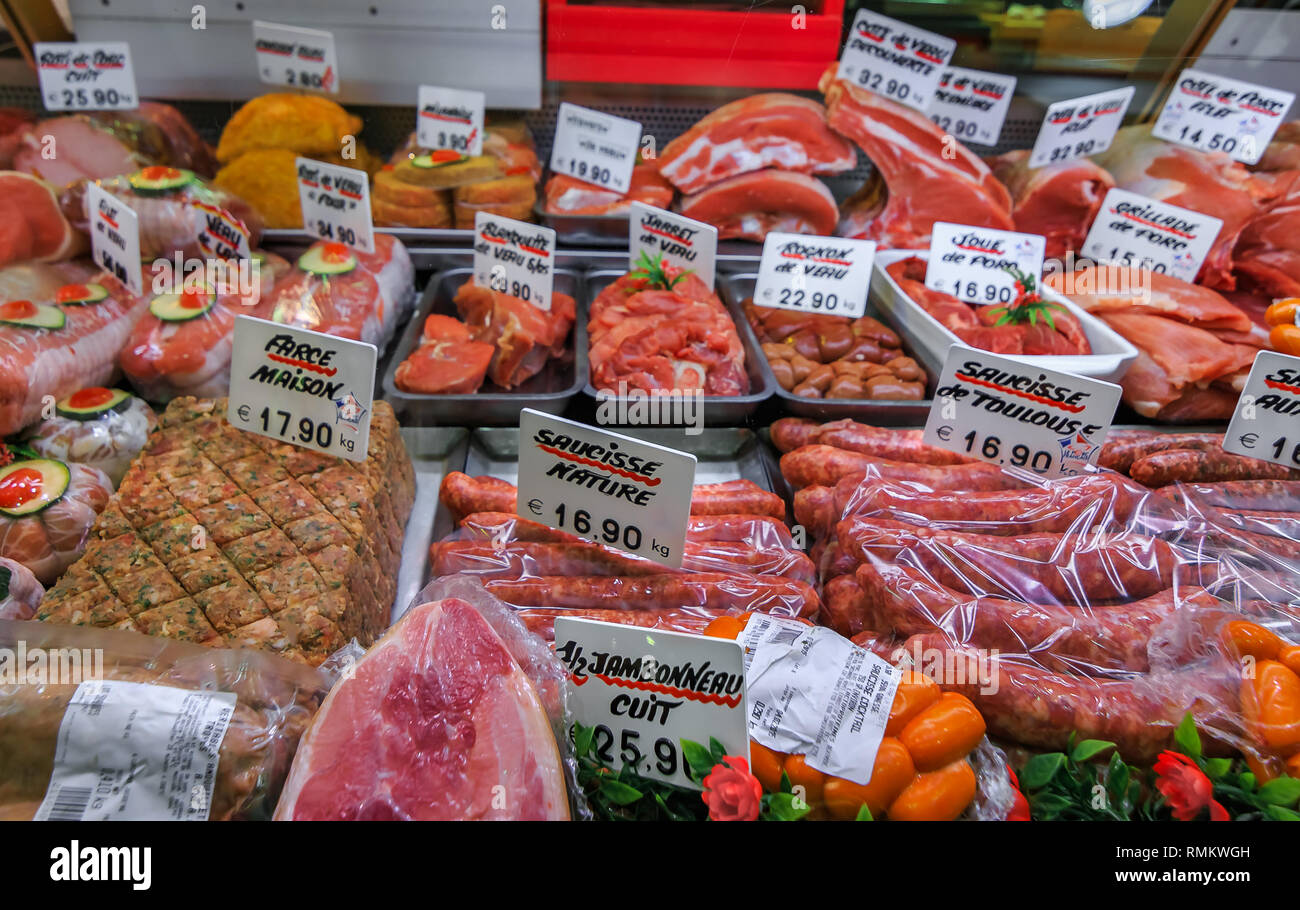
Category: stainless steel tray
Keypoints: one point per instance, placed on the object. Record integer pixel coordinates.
(434, 451)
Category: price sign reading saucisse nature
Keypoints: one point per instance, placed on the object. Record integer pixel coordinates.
(594, 146)
(1079, 127)
(1217, 114)
(296, 57)
(971, 104)
(1266, 423)
(1136, 230)
(86, 76)
(336, 203)
(1019, 416)
(515, 258)
(605, 486)
(448, 118)
(302, 387)
(681, 241)
(644, 691)
(816, 274)
(894, 59)
(973, 263)
(115, 237)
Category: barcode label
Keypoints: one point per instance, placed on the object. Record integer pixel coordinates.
(69, 804)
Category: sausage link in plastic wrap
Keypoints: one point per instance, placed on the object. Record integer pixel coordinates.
(47, 508)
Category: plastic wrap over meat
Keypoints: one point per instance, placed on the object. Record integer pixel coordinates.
(20, 592)
(98, 427)
(49, 539)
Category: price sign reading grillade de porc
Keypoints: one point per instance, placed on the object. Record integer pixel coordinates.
(515, 258)
(1079, 127)
(1015, 415)
(605, 487)
(86, 76)
(1136, 230)
(1266, 423)
(595, 147)
(296, 57)
(302, 387)
(827, 275)
(894, 59)
(336, 203)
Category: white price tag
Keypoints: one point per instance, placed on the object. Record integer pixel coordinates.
(449, 118)
(1217, 114)
(605, 486)
(971, 263)
(828, 275)
(115, 237)
(1266, 424)
(596, 147)
(295, 57)
(1019, 416)
(894, 59)
(1079, 127)
(644, 691)
(1136, 230)
(86, 75)
(683, 242)
(336, 203)
(515, 258)
(972, 104)
(303, 387)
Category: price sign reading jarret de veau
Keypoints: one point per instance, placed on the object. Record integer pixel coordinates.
(1217, 114)
(605, 487)
(894, 59)
(1019, 416)
(596, 147)
(974, 263)
(1266, 423)
(1080, 127)
(336, 203)
(448, 118)
(817, 274)
(972, 104)
(682, 242)
(1136, 230)
(644, 691)
(86, 76)
(115, 237)
(515, 258)
(302, 387)
(296, 57)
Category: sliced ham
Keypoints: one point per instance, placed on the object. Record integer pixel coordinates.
(751, 205)
(1058, 201)
(65, 149)
(32, 226)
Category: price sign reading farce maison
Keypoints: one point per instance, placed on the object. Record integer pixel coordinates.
(891, 58)
(1080, 127)
(86, 76)
(335, 203)
(449, 118)
(816, 274)
(295, 57)
(1217, 114)
(971, 104)
(594, 146)
(1266, 423)
(515, 258)
(682, 242)
(1136, 230)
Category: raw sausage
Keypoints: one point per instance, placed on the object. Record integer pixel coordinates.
(717, 591)
(898, 445)
(814, 508)
(825, 465)
(844, 606)
(1185, 465)
(1119, 454)
(1280, 495)
(789, 433)
(688, 619)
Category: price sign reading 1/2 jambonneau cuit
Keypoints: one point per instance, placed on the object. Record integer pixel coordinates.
(971, 104)
(972, 263)
(515, 258)
(605, 487)
(1079, 127)
(86, 76)
(645, 690)
(302, 387)
(827, 275)
(449, 118)
(595, 147)
(115, 237)
(682, 242)
(1217, 114)
(1266, 423)
(296, 57)
(336, 203)
(1020, 416)
(894, 59)
(1136, 230)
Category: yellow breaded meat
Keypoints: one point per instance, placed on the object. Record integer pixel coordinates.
(306, 124)
(268, 180)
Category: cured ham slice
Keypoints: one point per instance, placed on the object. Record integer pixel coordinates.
(567, 195)
(1058, 201)
(775, 130)
(750, 205)
(437, 723)
(522, 335)
(32, 227)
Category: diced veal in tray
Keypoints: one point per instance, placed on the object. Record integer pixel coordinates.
(232, 539)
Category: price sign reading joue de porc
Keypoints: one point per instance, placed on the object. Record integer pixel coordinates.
(295, 57)
(86, 75)
(975, 263)
(894, 59)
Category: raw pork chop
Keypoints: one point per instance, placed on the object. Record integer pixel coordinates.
(32, 228)
(1058, 201)
(750, 205)
(438, 723)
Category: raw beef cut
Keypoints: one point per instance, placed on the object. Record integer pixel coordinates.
(161, 134)
(446, 361)
(769, 130)
(437, 723)
(750, 205)
(524, 336)
(1058, 201)
(928, 175)
(1267, 256)
(32, 227)
(567, 195)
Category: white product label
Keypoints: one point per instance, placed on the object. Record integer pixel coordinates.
(221, 234)
(1266, 423)
(1080, 127)
(336, 203)
(86, 75)
(973, 263)
(515, 258)
(684, 242)
(296, 57)
(448, 118)
(596, 147)
(828, 275)
(815, 693)
(1217, 114)
(972, 104)
(891, 58)
(644, 691)
(1136, 230)
(605, 486)
(1019, 416)
(115, 237)
(132, 751)
(303, 387)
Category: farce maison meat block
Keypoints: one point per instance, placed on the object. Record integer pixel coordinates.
(231, 539)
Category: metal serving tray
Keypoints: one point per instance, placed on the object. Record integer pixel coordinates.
(434, 451)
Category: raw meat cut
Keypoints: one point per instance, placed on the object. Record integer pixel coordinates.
(437, 722)
(567, 195)
(750, 205)
(1283, 153)
(928, 175)
(13, 126)
(1168, 297)
(446, 361)
(78, 149)
(1268, 254)
(49, 541)
(32, 227)
(161, 134)
(1058, 201)
(524, 336)
(108, 439)
(768, 130)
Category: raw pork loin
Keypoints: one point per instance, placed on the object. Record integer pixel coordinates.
(750, 205)
(32, 228)
(1058, 201)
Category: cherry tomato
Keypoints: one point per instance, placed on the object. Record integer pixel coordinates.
(1282, 312)
(765, 764)
(943, 732)
(802, 774)
(1271, 704)
(1248, 638)
(727, 626)
(1285, 338)
(1290, 655)
(891, 773)
(916, 692)
(936, 796)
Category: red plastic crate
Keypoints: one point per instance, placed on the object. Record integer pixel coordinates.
(684, 46)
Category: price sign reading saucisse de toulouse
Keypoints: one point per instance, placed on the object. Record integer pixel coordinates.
(816, 274)
(296, 57)
(894, 59)
(1217, 114)
(644, 691)
(448, 118)
(515, 258)
(594, 146)
(972, 104)
(115, 237)
(605, 486)
(972, 263)
(1266, 423)
(336, 203)
(1079, 127)
(1136, 230)
(302, 387)
(681, 241)
(1019, 416)
(86, 76)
